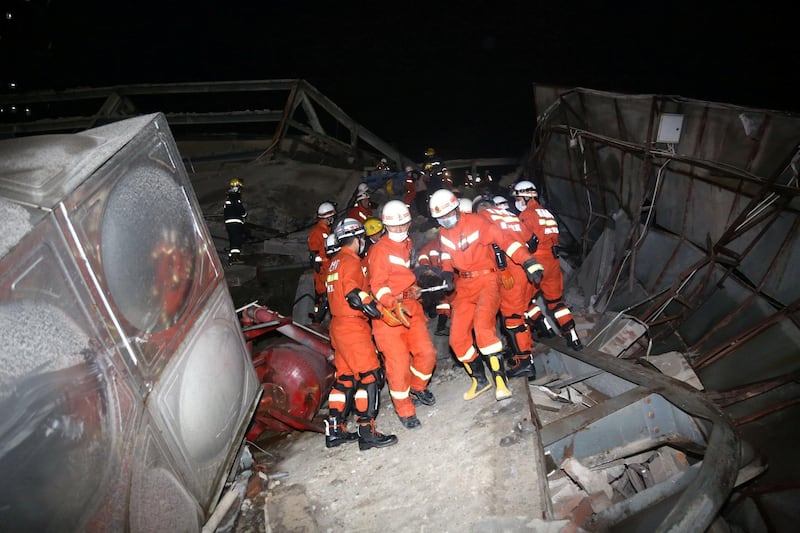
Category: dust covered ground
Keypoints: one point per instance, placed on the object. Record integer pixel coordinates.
(471, 466)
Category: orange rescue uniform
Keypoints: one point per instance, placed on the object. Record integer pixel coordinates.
(355, 357)
(536, 220)
(316, 249)
(513, 301)
(466, 248)
(408, 353)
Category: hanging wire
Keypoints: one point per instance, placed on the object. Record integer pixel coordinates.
(628, 252)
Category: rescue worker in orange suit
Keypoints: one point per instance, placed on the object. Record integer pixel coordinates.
(514, 296)
(362, 209)
(355, 357)
(541, 235)
(234, 213)
(466, 247)
(319, 259)
(408, 352)
(373, 227)
(429, 256)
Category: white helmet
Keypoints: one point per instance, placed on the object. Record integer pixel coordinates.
(362, 188)
(332, 244)
(480, 203)
(465, 205)
(326, 210)
(500, 201)
(525, 189)
(362, 196)
(442, 202)
(395, 213)
(348, 227)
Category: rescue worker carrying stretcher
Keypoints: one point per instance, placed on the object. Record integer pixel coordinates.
(319, 259)
(402, 335)
(514, 296)
(541, 235)
(466, 250)
(355, 357)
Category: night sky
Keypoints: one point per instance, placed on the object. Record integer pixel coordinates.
(455, 76)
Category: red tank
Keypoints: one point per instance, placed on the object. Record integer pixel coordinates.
(296, 374)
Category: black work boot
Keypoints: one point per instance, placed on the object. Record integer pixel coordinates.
(543, 328)
(425, 397)
(369, 437)
(520, 365)
(479, 382)
(441, 326)
(410, 422)
(336, 433)
(573, 340)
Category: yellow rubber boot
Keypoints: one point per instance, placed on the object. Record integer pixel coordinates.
(479, 382)
(501, 391)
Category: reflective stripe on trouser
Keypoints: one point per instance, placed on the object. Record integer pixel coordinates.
(518, 333)
(562, 314)
(235, 236)
(367, 400)
(341, 397)
(474, 308)
(408, 354)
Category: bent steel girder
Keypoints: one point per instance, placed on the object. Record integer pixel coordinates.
(107, 104)
(704, 493)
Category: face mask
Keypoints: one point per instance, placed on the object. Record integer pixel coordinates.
(521, 204)
(398, 237)
(448, 221)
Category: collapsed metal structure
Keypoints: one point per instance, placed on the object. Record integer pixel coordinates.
(683, 217)
(258, 116)
(680, 218)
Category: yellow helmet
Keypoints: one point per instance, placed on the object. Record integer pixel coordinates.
(430, 152)
(373, 226)
(235, 182)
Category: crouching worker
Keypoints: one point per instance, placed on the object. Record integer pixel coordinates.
(355, 357)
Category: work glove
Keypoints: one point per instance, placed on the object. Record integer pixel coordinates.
(533, 270)
(532, 243)
(506, 279)
(402, 314)
(449, 280)
(364, 302)
(316, 265)
(396, 315)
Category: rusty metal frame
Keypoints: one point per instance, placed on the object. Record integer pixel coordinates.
(116, 104)
(705, 493)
